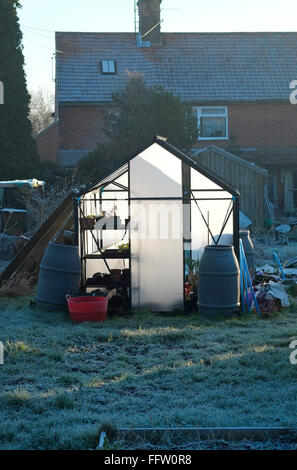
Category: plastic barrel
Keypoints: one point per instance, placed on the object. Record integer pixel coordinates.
(218, 282)
(248, 250)
(59, 275)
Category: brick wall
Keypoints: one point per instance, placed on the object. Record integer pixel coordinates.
(47, 143)
(260, 125)
(81, 127)
(253, 125)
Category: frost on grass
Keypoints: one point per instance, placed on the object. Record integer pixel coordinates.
(60, 381)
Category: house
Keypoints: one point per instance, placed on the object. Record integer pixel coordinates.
(168, 208)
(47, 142)
(237, 83)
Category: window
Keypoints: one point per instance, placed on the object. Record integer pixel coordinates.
(108, 67)
(212, 123)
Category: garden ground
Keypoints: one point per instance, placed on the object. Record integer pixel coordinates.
(61, 381)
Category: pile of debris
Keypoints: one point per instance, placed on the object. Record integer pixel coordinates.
(38, 201)
(270, 283)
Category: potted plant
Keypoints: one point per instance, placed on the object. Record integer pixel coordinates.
(113, 221)
(126, 275)
(88, 222)
(124, 247)
(116, 274)
(193, 266)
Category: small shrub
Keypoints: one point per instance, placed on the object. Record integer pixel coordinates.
(64, 401)
(13, 350)
(68, 379)
(18, 397)
(56, 356)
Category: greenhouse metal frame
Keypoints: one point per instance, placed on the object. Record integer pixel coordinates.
(172, 207)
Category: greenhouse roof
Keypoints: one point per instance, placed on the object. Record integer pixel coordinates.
(162, 141)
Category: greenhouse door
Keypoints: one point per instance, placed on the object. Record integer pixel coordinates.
(157, 267)
(157, 256)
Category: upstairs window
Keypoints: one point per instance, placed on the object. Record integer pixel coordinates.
(108, 67)
(212, 123)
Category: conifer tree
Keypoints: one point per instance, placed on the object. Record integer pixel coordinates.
(138, 113)
(18, 154)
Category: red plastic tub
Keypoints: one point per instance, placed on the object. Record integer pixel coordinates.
(87, 308)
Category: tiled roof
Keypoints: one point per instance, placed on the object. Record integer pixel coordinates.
(199, 67)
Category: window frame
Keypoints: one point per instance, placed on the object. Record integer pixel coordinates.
(107, 61)
(225, 115)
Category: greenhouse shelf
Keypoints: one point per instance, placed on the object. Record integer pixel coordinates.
(106, 255)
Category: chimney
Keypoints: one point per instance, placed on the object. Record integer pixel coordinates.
(149, 20)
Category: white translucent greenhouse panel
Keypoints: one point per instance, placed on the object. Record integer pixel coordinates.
(155, 173)
(157, 255)
(109, 239)
(212, 194)
(215, 213)
(87, 205)
(98, 266)
(89, 243)
(198, 181)
(199, 233)
(123, 180)
(113, 238)
(118, 205)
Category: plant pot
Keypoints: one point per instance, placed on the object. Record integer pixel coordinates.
(126, 275)
(116, 274)
(87, 223)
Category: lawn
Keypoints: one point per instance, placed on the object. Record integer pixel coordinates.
(60, 381)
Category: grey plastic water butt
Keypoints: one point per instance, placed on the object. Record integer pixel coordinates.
(60, 271)
(218, 282)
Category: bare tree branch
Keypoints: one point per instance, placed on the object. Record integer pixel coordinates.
(41, 110)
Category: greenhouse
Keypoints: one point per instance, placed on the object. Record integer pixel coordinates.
(142, 227)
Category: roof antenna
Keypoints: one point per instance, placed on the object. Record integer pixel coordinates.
(135, 17)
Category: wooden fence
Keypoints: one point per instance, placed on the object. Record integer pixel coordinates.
(248, 178)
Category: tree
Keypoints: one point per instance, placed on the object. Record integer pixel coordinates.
(18, 154)
(41, 110)
(138, 113)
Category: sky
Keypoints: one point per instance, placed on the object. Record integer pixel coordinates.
(39, 19)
